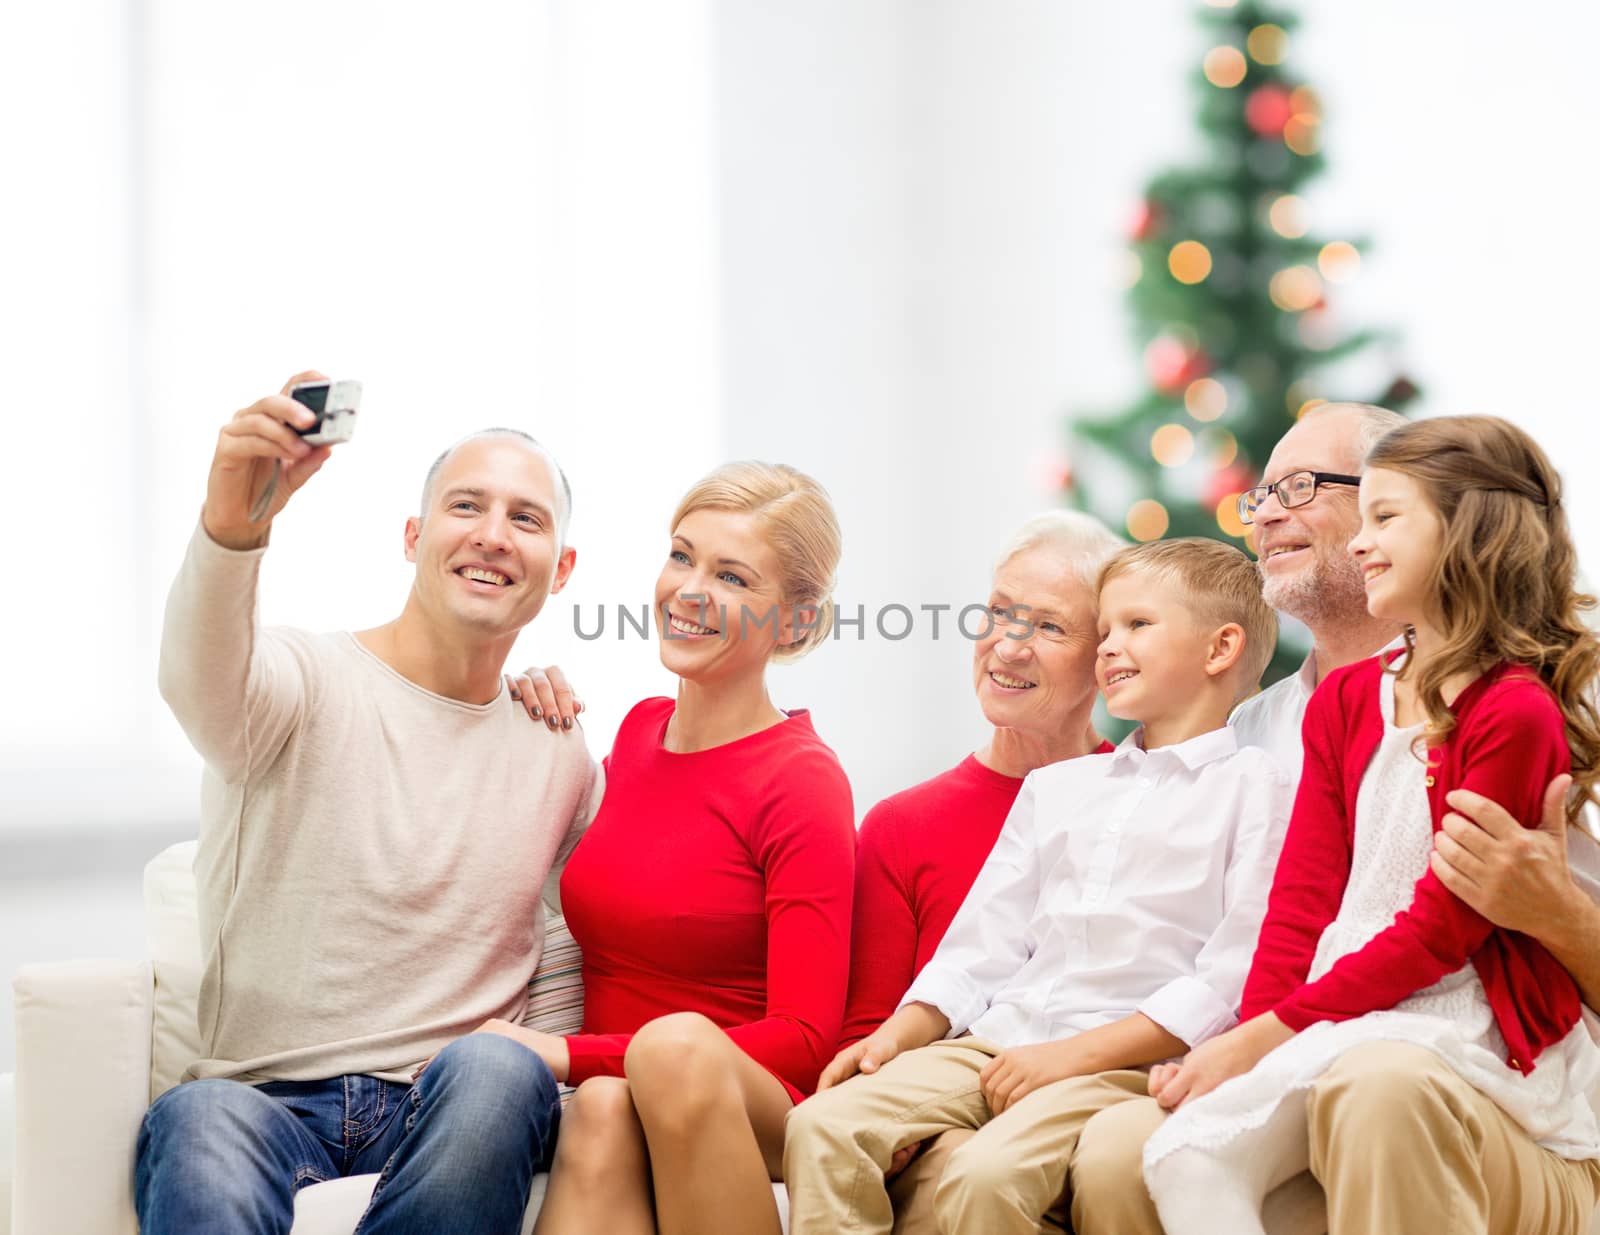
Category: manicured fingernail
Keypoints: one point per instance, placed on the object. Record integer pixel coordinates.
(516, 694)
(538, 713)
(566, 723)
(552, 722)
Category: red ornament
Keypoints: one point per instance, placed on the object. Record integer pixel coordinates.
(1268, 110)
(1148, 219)
(1232, 479)
(1172, 364)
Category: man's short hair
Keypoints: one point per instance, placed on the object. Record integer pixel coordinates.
(564, 490)
(1219, 584)
(1372, 423)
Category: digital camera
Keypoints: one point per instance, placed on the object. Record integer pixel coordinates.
(335, 405)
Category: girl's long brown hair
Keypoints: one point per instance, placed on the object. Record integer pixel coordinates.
(1506, 578)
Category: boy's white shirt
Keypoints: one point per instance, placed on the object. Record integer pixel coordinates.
(1134, 881)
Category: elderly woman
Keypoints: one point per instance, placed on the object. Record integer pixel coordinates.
(919, 850)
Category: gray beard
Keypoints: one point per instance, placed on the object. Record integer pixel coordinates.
(1331, 593)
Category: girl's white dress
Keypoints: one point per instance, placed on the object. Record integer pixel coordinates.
(1249, 1134)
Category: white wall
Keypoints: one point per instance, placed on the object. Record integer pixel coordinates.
(878, 241)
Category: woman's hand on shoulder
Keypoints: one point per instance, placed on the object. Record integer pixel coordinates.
(546, 695)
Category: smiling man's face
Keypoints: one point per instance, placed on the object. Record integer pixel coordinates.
(488, 550)
(1306, 568)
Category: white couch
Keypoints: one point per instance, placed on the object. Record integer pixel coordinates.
(98, 1040)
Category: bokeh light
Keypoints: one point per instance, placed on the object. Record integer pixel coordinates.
(1304, 101)
(1268, 44)
(1287, 215)
(1339, 261)
(1307, 406)
(1147, 520)
(1189, 261)
(1301, 135)
(1303, 132)
(1224, 66)
(1220, 446)
(1228, 517)
(1172, 445)
(1132, 269)
(1297, 394)
(1205, 399)
(1295, 289)
(1317, 330)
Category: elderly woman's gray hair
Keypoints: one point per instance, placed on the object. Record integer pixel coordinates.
(1081, 539)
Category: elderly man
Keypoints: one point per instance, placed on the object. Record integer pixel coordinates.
(377, 818)
(1397, 1140)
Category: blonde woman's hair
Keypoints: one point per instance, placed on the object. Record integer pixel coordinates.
(1080, 538)
(1505, 580)
(1219, 585)
(796, 516)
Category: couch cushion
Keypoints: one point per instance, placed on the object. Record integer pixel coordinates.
(172, 931)
(555, 993)
(335, 1207)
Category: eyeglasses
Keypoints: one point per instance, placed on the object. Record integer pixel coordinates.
(1295, 489)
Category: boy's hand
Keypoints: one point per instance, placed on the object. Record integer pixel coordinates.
(1014, 1074)
(1226, 1056)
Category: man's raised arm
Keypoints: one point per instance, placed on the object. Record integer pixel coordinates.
(230, 701)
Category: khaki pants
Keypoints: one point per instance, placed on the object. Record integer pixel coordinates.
(1004, 1178)
(1400, 1144)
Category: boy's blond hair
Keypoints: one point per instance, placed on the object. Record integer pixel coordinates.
(1218, 583)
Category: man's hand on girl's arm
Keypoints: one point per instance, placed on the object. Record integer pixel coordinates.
(1519, 878)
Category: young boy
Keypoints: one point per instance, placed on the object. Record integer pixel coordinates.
(1110, 928)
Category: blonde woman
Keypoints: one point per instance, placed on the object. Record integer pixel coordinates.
(711, 896)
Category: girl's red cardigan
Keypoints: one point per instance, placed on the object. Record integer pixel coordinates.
(1508, 743)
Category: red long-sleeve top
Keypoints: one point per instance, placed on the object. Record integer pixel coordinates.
(1508, 743)
(718, 882)
(918, 852)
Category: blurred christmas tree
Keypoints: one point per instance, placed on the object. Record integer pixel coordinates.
(1229, 292)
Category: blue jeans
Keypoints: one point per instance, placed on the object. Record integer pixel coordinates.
(456, 1152)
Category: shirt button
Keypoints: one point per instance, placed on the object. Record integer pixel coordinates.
(1430, 782)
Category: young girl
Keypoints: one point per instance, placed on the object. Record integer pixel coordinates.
(1462, 540)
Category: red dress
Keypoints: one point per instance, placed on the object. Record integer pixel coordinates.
(919, 851)
(717, 882)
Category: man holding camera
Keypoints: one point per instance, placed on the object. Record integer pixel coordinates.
(377, 817)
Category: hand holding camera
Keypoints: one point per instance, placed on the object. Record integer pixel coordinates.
(271, 448)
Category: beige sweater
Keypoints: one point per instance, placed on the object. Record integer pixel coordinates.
(371, 854)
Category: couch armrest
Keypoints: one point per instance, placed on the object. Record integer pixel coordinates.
(82, 1086)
